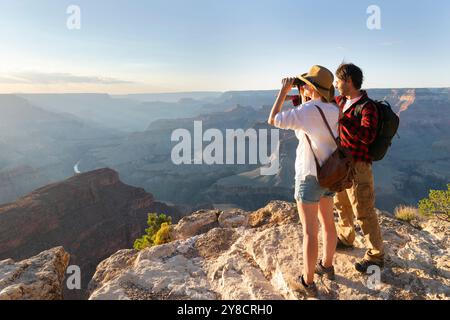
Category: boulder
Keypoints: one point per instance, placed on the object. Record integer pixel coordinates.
(38, 278)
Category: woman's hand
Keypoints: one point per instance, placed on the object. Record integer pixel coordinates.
(287, 84)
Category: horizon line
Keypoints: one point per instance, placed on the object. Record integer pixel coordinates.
(199, 91)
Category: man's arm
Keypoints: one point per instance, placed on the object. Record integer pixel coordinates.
(289, 98)
(287, 86)
(296, 100)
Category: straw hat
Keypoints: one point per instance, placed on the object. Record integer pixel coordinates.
(321, 79)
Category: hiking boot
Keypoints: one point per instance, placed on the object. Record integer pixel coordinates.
(364, 264)
(309, 290)
(342, 246)
(327, 272)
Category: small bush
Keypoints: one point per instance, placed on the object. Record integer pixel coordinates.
(437, 203)
(163, 235)
(406, 213)
(158, 231)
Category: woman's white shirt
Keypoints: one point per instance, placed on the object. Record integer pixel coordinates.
(307, 119)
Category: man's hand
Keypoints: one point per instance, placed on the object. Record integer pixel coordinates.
(290, 98)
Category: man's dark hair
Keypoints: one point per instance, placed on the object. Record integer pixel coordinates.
(349, 70)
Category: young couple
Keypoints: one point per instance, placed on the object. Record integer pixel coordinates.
(356, 132)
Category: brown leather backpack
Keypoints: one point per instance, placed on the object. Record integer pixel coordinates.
(337, 172)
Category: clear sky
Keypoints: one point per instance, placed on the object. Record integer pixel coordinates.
(128, 46)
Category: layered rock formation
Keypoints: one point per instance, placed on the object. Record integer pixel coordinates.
(91, 215)
(41, 144)
(417, 161)
(258, 255)
(37, 278)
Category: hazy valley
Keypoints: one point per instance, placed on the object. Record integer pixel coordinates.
(44, 136)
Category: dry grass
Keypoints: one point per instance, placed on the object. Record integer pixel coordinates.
(406, 213)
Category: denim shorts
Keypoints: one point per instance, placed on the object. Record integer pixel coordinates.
(309, 190)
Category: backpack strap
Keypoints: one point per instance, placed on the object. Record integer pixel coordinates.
(331, 133)
(328, 126)
(315, 158)
(359, 107)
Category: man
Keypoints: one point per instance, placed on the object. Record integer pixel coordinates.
(358, 131)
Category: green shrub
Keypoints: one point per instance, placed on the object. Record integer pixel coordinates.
(158, 231)
(405, 213)
(437, 203)
(163, 234)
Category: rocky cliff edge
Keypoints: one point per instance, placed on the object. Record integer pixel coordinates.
(258, 255)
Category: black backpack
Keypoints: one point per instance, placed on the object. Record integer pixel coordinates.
(388, 123)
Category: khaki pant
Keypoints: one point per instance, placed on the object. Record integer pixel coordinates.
(359, 200)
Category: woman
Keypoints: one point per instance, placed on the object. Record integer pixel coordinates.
(314, 202)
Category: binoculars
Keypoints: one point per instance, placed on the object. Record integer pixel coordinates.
(298, 82)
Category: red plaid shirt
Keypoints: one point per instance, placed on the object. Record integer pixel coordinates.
(357, 133)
